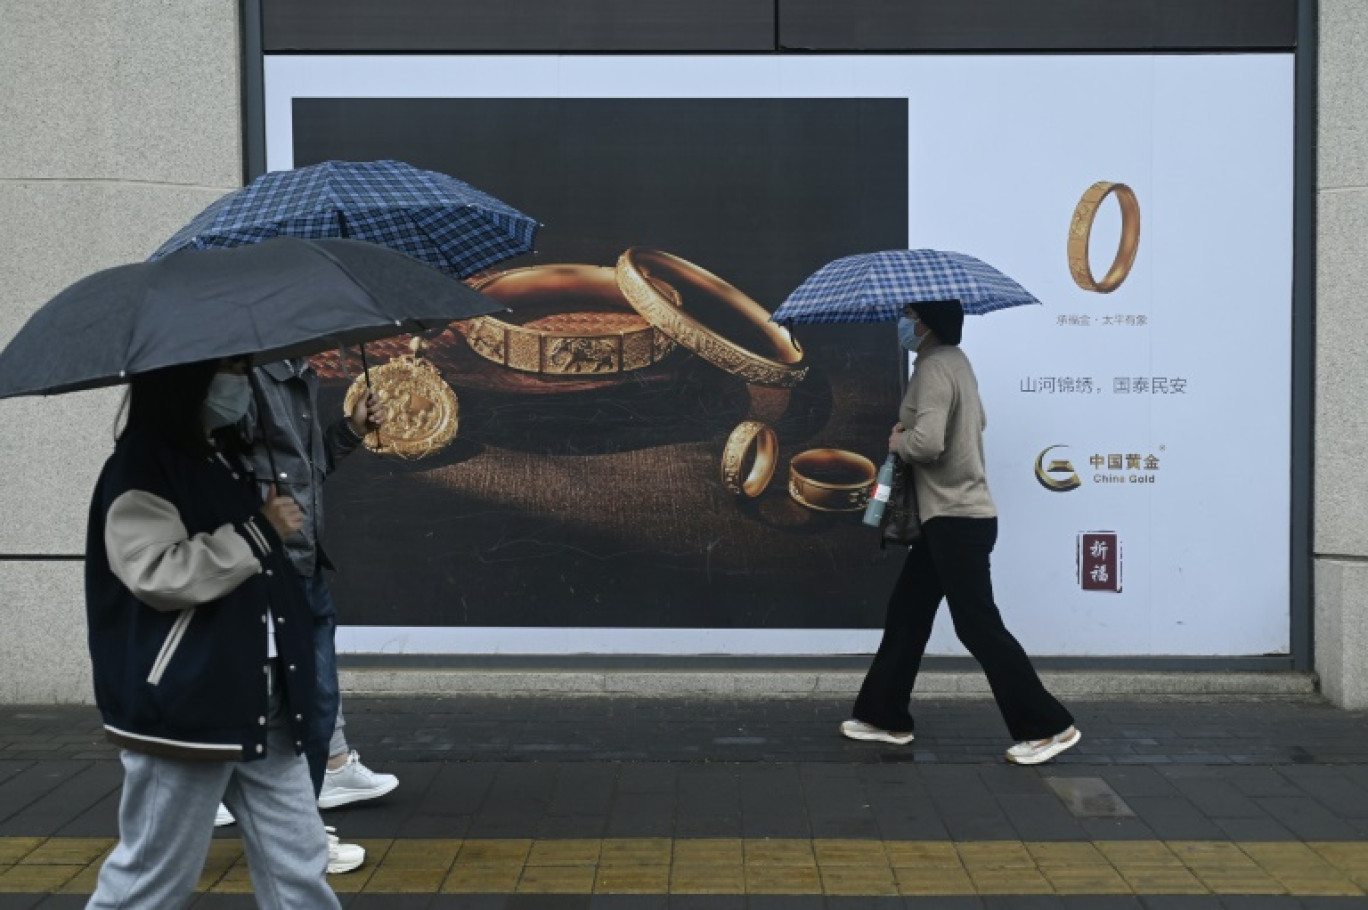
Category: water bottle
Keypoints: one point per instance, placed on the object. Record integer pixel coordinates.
(883, 488)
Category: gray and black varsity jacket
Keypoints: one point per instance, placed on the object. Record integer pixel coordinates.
(182, 576)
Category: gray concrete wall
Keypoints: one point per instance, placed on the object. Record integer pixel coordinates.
(119, 121)
(1341, 482)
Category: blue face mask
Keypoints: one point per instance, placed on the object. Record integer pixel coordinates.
(227, 400)
(907, 334)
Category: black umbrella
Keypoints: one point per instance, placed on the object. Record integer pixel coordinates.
(281, 298)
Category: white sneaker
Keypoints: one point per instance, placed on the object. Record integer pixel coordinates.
(352, 783)
(343, 857)
(1042, 750)
(858, 729)
(223, 816)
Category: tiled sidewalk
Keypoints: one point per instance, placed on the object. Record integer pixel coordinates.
(646, 803)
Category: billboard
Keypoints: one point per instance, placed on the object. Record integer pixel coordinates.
(634, 460)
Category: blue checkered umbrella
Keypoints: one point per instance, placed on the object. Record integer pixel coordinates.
(430, 216)
(874, 287)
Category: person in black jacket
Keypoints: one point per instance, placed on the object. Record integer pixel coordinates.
(202, 651)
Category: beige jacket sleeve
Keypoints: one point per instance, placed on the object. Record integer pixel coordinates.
(930, 399)
(153, 554)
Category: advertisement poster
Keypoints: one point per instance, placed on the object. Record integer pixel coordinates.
(612, 478)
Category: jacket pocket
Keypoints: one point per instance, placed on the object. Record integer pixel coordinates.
(169, 646)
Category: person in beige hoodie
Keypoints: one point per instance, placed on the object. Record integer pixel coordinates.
(940, 434)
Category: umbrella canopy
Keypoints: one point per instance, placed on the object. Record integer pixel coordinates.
(874, 287)
(282, 298)
(443, 221)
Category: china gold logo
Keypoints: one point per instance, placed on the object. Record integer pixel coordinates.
(1059, 476)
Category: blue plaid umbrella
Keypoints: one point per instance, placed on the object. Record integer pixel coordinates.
(874, 287)
(430, 216)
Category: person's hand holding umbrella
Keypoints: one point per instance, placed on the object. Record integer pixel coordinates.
(366, 416)
(283, 513)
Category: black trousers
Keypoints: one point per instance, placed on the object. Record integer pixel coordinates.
(951, 561)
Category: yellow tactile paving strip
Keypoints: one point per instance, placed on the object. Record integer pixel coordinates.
(733, 866)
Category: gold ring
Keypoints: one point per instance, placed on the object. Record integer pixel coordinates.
(1080, 232)
(712, 313)
(749, 436)
(831, 480)
(566, 320)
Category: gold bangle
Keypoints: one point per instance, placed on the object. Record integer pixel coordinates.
(831, 480)
(567, 320)
(1080, 232)
(708, 299)
(749, 436)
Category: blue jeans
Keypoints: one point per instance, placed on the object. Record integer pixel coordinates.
(327, 697)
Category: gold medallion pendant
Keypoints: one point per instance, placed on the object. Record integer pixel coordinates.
(419, 410)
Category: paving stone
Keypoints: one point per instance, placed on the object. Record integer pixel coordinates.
(1335, 789)
(548, 902)
(61, 902)
(911, 816)
(22, 811)
(1181, 902)
(21, 901)
(629, 902)
(1023, 902)
(1102, 902)
(1089, 797)
(1217, 798)
(1173, 818)
(800, 902)
(1253, 829)
(707, 902)
(1307, 818)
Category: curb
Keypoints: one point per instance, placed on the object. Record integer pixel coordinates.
(671, 683)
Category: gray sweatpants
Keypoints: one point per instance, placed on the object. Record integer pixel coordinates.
(338, 744)
(166, 820)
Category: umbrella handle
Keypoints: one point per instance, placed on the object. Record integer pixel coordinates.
(261, 423)
(365, 368)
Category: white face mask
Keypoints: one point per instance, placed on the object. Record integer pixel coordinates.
(907, 334)
(227, 400)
